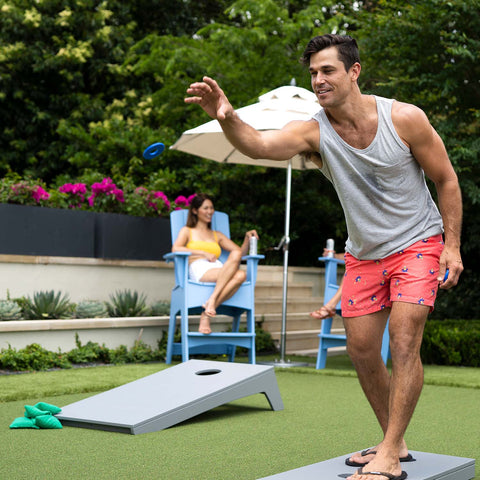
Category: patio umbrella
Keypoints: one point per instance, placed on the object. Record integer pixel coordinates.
(272, 112)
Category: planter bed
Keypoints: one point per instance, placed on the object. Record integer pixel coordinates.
(113, 332)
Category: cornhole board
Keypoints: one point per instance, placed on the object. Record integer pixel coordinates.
(428, 466)
(171, 396)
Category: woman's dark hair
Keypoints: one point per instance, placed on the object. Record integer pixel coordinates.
(196, 203)
(346, 46)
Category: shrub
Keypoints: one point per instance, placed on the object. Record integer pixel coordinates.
(91, 352)
(73, 194)
(452, 342)
(14, 189)
(47, 305)
(32, 357)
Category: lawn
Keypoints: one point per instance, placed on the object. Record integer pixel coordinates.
(325, 416)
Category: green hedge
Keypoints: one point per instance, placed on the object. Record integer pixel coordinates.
(452, 342)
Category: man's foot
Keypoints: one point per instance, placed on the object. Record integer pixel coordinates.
(323, 312)
(204, 326)
(362, 474)
(367, 455)
(209, 307)
(383, 466)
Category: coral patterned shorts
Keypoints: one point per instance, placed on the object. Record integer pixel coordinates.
(409, 275)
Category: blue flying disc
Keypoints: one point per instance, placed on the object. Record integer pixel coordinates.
(154, 150)
(446, 275)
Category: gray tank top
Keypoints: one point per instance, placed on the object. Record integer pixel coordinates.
(382, 189)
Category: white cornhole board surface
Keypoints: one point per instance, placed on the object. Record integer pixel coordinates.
(428, 466)
(171, 396)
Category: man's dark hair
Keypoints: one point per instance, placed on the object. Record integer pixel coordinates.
(346, 46)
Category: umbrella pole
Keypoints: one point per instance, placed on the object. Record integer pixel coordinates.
(286, 244)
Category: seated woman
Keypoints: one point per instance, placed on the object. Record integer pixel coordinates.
(206, 246)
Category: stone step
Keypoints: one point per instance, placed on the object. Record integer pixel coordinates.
(295, 321)
(275, 289)
(301, 340)
(297, 305)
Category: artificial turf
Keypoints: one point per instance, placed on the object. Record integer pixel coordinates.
(325, 416)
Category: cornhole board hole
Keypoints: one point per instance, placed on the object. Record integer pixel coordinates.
(428, 466)
(171, 396)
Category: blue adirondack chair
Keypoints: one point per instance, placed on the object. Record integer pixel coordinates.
(328, 339)
(188, 297)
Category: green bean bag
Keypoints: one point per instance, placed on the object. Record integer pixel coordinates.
(48, 421)
(47, 407)
(23, 422)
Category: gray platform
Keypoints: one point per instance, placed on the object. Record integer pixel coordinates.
(171, 396)
(428, 466)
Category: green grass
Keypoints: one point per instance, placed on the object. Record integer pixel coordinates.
(325, 415)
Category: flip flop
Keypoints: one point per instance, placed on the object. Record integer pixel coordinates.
(360, 471)
(351, 463)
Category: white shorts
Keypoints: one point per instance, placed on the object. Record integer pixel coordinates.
(198, 268)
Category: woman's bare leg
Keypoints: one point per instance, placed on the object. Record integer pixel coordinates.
(222, 277)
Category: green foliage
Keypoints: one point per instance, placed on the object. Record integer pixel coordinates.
(47, 305)
(91, 309)
(23, 191)
(91, 352)
(452, 343)
(264, 342)
(127, 303)
(32, 357)
(10, 310)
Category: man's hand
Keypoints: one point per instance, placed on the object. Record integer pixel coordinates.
(211, 98)
(451, 259)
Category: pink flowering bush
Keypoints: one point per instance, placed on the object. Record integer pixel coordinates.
(182, 202)
(106, 197)
(23, 192)
(74, 194)
(147, 203)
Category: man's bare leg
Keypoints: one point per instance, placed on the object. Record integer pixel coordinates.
(364, 336)
(406, 330)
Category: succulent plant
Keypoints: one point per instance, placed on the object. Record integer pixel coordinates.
(47, 305)
(125, 303)
(160, 309)
(10, 310)
(91, 309)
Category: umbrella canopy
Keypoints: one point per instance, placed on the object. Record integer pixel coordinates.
(272, 112)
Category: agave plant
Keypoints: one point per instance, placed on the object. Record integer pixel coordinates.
(10, 310)
(47, 305)
(91, 309)
(125, 303)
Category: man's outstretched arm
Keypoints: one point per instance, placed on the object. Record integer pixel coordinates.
(296, 137)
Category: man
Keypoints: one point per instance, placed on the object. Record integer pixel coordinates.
(375, 151)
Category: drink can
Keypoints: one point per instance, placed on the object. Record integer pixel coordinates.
(330, 247)
(253, 245)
